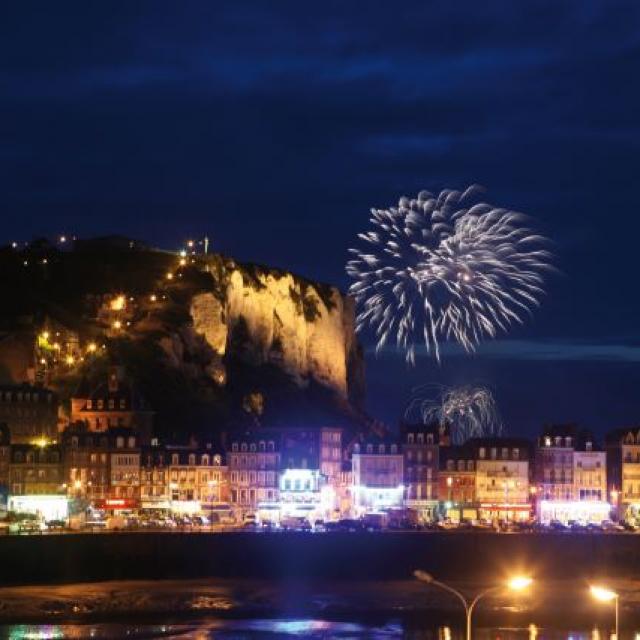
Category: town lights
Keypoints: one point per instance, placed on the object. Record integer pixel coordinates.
(169, 276)
(118, 303)
(92, 347)
(70, 360)
(183, 262)
(516, 583)
(153, 297)
(117, 325)
(603, 594)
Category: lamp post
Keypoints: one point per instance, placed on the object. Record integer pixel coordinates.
(517, 583)
(607, 595)
(614, 500)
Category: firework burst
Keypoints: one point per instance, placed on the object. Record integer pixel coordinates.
(445, 268)
(469, 411)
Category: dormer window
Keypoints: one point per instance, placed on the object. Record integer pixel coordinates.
(430, 438)
(205, 460)
(192, 459)
(119, 442)
(243, 447)
(100, 405)
(112, 404)
(516, 454)
(123, 403)
(175, 459)
(547, 441)
(89, 404)
(482, 453)
(132, 442)
(410, 438)
(420, 438)
(568, 442)
(394, 448)
(381, 448)
(369, 448)
(234, 447)
(252, 447)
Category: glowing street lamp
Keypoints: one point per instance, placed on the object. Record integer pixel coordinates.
(602, 594)
(516, 583)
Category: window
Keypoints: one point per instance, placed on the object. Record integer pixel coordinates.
(192, 459)
(410, 438)
(481, 453)
(243, 447)
(100, 405)
(112, 404)
(420, 438)
(430, 438)
(234, 446)
(119, 442)
(516, 454)
(394, 448)
(252, 448)
(270, 445)
(262, 445)
(205, 460)
(175, 459)
(89, 404)
(369, 448)
(123, 403)
(132, 442)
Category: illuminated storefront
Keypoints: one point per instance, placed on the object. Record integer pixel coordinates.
(584, 512)
(506, 512)
(47, 507)
(303, 494)
(376, 499)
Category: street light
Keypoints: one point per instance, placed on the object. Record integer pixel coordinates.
(607, 595)
(517, 583)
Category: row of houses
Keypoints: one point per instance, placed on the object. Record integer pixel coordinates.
(104, 456)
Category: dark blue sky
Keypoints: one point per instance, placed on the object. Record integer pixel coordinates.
(274, 127)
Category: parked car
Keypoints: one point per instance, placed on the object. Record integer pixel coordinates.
(56, 525)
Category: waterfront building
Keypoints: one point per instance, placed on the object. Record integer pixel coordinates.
(155, 490)
(253, 461)
(502, 478)
(30, 413)
(86, 463)
(457, 483)
(5, 459)
(36, 481)
(197, 480)
(377, 476)
(124, 471)
(420, 446)
(114, 403)
(553, 475)
(623, 472)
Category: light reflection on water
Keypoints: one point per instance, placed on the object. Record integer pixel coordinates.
(286, 629)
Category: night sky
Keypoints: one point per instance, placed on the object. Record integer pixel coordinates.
(275, 126)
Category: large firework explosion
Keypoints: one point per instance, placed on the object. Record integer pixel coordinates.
(445, 267)
(469, 411)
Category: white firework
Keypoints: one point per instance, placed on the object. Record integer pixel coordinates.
(469, 411)
(435, 269)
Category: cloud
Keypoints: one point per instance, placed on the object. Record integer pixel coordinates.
(537, 350)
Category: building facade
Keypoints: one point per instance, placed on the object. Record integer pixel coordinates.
(457, 483)
(377, 476)
(420, 446)
(502, 478)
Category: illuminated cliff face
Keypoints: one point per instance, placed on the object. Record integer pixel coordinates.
(304, 329)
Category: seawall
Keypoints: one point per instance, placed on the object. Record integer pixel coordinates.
(388, 556)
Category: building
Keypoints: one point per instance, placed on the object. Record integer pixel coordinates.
(36, 481)
(124, 471)
(589, 482)
(5, 459)
(112, 404)
(623, 472)
(86, 463)
(197, 480)
(377, 476)
(502, 478)
(30, 413)
(253, 461)
(155, 491)
(420, 446)
(553, 475)
(457, 483)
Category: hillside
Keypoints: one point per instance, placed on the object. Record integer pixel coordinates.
(210, 342)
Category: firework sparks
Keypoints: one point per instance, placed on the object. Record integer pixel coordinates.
(445, 267)
(470, 412)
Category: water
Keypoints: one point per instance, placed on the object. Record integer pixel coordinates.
(288, 629)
